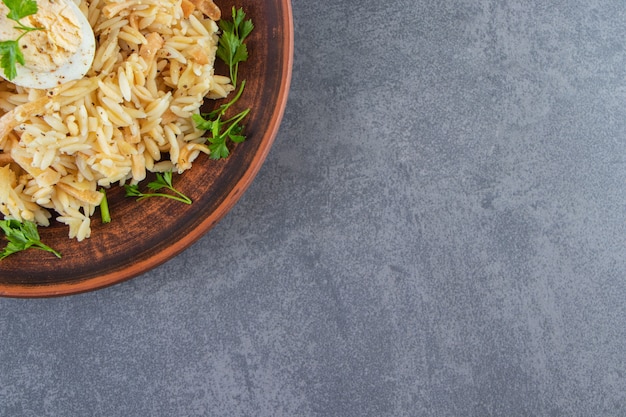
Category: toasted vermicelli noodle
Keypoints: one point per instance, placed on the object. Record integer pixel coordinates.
(130, 115)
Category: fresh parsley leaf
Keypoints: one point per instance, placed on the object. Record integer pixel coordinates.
(237, 138)
(21, 236)
(220, 130)
(11, 54)
(201, 123)
(223, 130)
(20, 8)
(242, 27)
(163, 180)
(132, 190)
(218, 149)
(231, 47)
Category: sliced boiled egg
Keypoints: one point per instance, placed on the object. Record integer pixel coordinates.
(62, 52)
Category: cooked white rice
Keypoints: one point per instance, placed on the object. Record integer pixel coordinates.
(130, 115)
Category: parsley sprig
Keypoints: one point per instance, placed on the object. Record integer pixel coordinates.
(231, 48)
(163, 180)
(9, 50)
(220, 130)
(21, 236)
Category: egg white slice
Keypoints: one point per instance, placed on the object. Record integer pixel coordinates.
(73, 67)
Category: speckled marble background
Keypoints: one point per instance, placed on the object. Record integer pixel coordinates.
(439, 230)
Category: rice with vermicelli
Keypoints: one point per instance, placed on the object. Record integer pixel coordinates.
(131, 114)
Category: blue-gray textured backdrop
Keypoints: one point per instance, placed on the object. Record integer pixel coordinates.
(439, 230)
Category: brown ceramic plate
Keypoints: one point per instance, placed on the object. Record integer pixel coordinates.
(147, 233)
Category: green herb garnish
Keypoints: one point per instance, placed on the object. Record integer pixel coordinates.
(9, 50)
(104, 207)
(232, 51)
(222, 130)
(231, 48)
(162, 181)
(21, 236)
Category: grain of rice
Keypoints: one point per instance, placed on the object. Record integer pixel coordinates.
(47, 157)
(72, 126)
(124, 84)
(152, 148)
(170, 53)
(178, 42)
(56, 123)
(138, 167)
(199, 28)
(83, 168)
(146, 21)
(132, 35)
(110, 90)
(156, 109)
(163, 166)
(116, 113)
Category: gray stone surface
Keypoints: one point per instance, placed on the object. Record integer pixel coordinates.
(439, 230)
